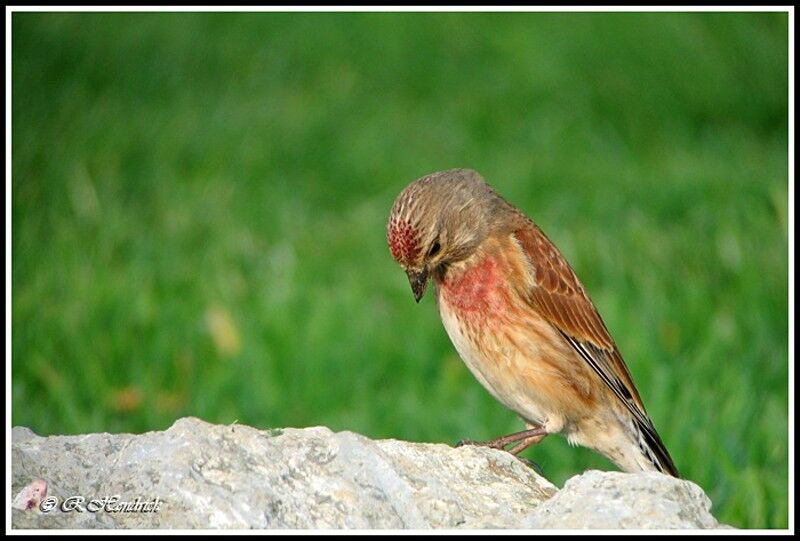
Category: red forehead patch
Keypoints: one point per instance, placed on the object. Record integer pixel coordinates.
(403, 241)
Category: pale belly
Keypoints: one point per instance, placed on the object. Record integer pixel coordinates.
(513, 371)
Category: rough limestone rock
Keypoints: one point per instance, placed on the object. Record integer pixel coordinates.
(199, 475)
(615, 500)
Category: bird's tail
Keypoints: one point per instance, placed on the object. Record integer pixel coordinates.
(652, 453)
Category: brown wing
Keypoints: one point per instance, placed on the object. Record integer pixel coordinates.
(560, 297)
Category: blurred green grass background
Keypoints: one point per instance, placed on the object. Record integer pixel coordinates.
(199, 207)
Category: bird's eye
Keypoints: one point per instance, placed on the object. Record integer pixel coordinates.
(434, 249)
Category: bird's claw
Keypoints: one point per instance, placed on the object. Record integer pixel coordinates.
(531, 464)
(492, 444)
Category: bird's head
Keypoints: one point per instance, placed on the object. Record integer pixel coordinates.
(438, 220)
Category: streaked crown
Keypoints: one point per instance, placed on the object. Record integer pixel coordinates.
(448, 210)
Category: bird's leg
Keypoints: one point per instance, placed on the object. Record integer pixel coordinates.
(524, 444)
(531, 464)
(528, 437)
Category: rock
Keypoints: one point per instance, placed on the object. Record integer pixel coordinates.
(199, 475)
(616, 500)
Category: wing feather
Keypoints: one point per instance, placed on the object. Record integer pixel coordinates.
(560, 297)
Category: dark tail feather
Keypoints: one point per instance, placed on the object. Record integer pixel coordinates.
(656, 452)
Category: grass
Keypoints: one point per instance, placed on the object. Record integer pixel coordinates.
(199, 206)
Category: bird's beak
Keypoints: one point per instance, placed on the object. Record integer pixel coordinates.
(418, 281)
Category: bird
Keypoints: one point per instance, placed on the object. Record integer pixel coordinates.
(521, 320)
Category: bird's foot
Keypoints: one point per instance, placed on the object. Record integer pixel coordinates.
(491, 443)
(523, 440)
(499, 443)
(531, 464)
